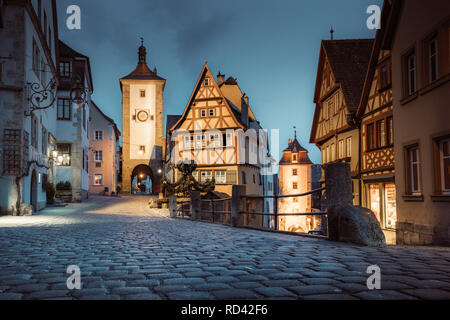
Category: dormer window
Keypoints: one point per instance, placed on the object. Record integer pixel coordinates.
(294, 157)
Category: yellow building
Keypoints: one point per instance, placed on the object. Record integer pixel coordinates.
(142, 115)
(295, 178)
(219, 131)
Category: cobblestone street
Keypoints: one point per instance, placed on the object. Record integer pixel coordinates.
(127, 251)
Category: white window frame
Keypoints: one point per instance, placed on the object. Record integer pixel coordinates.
(435, 56)
(349, 147)
(207, 173)
(211, 112)
(411, 71)
(441, 163)
(222, 178)
(341, 149)
(98, 135)
(203, 113)
(98, 156)
(415, 190)
(98, 184)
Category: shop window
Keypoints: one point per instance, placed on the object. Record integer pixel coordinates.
(390, 205)
(374, 198)
(64, 154)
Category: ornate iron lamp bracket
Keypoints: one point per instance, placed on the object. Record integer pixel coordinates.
(40, 97)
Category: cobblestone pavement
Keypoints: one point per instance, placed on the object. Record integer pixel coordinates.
(127, 251)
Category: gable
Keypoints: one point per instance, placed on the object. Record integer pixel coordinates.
(207, 97)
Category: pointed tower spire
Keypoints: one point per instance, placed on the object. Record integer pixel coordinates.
(331, 32)
(142, 52)
(295, 132)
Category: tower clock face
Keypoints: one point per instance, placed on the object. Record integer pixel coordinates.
(142, 116)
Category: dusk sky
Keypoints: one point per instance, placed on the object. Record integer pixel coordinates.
(271, 47)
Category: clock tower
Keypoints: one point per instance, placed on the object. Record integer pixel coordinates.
(142, 116)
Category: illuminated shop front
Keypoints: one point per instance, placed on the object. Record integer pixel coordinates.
(381, 200)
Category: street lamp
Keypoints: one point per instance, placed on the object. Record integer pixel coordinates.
(79, 93)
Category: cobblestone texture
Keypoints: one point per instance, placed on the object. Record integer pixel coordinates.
(127, 251)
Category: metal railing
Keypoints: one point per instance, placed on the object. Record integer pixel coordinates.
(216, 210)
(250, 216)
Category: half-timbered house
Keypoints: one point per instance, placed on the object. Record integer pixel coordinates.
(374, 114)
(214, 131)
(340, 78)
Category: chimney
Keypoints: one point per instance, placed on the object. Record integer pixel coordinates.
(220, 78)
(244, 111)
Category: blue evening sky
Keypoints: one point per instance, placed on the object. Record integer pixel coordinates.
(271, 47)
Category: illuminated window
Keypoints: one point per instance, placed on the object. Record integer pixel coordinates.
(141, 150)
(220, 176)
(374, 195)
(64, 153)
(98, 180)
(390, 207)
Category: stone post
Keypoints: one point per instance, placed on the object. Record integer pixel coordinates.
(196, 205)
(338, 184)
(236, 198)
(173, 206)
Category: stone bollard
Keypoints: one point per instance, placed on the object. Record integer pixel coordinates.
(196, 205)
(237, 192)
(338, 183)
(173, 206)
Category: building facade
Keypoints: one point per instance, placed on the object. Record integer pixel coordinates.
(72, 122)
(295, 178)
(376, 122)
(417, 33)
(142, 114)
(214, 132)
(104, 153)
(28, 68)
(340, 78)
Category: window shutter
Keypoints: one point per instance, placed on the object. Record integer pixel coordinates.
(231, 177)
